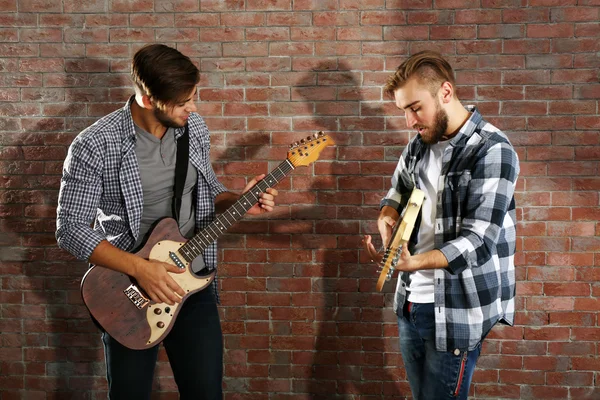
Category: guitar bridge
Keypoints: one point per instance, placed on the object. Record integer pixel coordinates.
(136, 297)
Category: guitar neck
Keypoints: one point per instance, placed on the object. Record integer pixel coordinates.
(196, 245)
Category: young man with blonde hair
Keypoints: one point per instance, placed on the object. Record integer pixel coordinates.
(457, 276)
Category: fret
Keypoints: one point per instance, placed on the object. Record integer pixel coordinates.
(194, 247)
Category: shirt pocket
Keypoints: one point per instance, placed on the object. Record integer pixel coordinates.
(458, 185)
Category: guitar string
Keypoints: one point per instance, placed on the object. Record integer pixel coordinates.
(193, 248)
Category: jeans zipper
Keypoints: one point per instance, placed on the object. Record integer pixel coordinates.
(461, 374)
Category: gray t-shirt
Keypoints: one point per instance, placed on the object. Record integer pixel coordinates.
(156, 160)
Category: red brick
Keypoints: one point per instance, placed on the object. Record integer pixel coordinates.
(416, 32)
(498, 31)
(479, 47)
(359, 5)
(545, 392)
(574, 14)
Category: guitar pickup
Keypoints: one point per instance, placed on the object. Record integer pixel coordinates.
(176, 260)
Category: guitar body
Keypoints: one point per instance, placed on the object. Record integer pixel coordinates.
(123, 309)
(400, 235)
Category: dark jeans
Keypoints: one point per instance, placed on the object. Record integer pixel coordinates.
(432, 375)
(195, 350)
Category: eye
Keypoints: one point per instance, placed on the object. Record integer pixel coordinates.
(415, 109)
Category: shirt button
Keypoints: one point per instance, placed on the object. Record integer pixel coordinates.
(456, 352)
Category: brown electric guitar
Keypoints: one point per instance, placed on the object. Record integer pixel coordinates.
(122, 307)
(400, 235)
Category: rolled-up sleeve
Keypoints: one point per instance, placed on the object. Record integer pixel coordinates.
(216, 187)
(78, 199)
(489, 195)
(394, 196)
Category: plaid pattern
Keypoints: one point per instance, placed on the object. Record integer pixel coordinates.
(474, 229)
(101, 184)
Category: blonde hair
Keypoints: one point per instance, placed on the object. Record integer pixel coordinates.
(430, 68)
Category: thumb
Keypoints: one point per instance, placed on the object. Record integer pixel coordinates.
(389, 221)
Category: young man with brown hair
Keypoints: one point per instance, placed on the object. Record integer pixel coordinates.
(457, 277)
(120, 174)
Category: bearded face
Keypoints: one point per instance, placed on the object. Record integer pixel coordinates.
(433, 134)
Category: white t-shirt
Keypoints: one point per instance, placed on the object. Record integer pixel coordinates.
(420, 288)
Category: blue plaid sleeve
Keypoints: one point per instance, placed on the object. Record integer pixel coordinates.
(490, 187)
(78, 199)
(199, 131)
(402, 183)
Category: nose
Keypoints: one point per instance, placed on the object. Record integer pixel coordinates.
(190, 107)
(411, 119)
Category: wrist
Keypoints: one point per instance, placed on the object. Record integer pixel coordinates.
(135, 266)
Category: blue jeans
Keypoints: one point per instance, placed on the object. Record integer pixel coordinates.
(432, 375)
(195, 350)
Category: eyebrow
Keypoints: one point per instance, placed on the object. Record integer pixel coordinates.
(191, 97)
(411, 104)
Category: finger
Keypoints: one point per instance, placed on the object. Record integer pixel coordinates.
(153, 297)
(405, 251)
(173, 268)
(370, 248)
(266, 208)
(163, 297)
(253, 182)
(169, 294)
(373, 252)
(266, 197)
(174, 286)
(272, 191)
(389, 221)
(385, 239)
(267, 204)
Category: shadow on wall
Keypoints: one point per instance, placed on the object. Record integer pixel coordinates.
(42, 307)
(62, 353)
(354, 327)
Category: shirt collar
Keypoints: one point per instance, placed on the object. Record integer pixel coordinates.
(128, 131)
(468, 128)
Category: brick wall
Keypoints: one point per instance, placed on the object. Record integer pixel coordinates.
(300, 311)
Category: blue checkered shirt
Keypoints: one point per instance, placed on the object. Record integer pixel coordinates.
(474, 229)
(101, 184)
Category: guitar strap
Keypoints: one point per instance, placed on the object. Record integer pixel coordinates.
(181, 167)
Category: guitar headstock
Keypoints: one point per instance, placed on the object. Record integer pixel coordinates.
(307, 151)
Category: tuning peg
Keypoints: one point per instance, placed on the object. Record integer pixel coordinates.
(302, 141)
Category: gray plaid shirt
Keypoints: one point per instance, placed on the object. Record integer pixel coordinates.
(101, 184)
(474, 229)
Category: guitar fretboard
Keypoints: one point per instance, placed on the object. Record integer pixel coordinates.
(195, 246)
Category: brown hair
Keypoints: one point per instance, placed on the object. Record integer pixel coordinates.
(164, 74)
(430, 68)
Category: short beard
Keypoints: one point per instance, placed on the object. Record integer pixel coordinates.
(164, 119)
(440, 125)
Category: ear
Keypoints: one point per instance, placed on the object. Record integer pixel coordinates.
(446, 92)
(147, 103)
